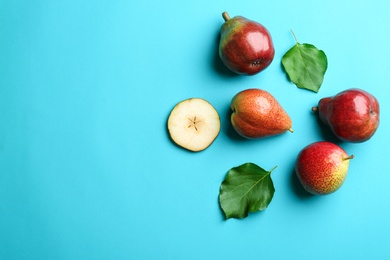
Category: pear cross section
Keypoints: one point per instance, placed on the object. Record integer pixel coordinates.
(194, 124)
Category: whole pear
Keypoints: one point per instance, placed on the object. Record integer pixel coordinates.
(352, 115)
(245, 46)
(322, 167)
(256, 114)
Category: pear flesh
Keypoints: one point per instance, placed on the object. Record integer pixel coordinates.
(194, 124)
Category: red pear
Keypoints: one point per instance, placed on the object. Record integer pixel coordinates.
(246, 46)
(352, 115)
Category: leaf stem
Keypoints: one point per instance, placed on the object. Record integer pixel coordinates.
(272, 169)
(295, 37)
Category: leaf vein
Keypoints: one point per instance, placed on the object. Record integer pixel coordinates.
(254, 185)
(304, 64)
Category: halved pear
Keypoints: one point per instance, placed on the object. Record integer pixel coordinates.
(194, 124)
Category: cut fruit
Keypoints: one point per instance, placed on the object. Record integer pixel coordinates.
(194, 124)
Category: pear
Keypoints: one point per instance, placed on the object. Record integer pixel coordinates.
(352, 115)
(245, 46)
(257, 114)
(194, 124)
(322, 167)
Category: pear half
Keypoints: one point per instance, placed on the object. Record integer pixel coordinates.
(194, 124)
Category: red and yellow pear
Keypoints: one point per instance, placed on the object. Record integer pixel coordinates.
(322, 167)
(257, 114)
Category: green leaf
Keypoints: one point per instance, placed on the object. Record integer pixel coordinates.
(246, 188)
(305, 65)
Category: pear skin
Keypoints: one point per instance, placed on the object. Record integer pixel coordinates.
(352, 115)
(257, 114)
(322, 167)
(245, 46)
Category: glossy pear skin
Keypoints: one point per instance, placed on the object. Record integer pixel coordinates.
(245, 46)
(352, 115)
(257, 114)
(322, 167)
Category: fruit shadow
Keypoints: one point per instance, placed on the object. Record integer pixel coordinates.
(325, 131)
(297, 187)
(228, 127)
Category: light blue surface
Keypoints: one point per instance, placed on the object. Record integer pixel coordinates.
(87, 170)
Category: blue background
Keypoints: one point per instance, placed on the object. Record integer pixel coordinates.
(87, 169)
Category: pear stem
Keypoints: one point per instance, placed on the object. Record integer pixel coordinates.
(314, 109)
(291, 130)
(348, 158)
(225, 16)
